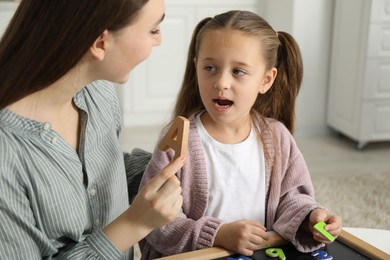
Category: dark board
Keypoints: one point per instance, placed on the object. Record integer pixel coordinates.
(345, 247)
(336, 249)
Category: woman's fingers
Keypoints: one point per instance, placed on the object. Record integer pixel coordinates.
(163, 192)
(170, 170)
(177, 204)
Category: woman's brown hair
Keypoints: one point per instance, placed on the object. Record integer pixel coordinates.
(46, 38)
(279, 50)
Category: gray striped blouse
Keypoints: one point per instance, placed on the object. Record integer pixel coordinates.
(55, 201)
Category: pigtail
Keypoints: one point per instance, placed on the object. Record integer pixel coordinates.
(289, 79)
(188, 99)
(279, 101)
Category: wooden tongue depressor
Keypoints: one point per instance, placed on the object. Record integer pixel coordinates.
(177, 137)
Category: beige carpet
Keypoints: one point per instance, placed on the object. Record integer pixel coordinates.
(362, 200)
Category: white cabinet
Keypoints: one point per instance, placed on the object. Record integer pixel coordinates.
(148, 97)
(359, 86)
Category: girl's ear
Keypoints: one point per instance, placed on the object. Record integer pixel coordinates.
(99, 47)
(268, 80)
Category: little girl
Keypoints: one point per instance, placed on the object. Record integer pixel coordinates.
(244, 174)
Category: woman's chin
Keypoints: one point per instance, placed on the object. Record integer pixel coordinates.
(122, 80)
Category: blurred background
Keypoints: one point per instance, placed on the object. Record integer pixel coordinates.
(346, 51)
(343, 109)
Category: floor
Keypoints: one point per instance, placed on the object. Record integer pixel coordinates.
(330, 153)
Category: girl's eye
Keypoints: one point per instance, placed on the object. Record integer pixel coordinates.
(210, 68)
(239, 72)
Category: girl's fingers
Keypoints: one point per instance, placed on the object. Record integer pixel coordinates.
(255, 242)
(320, 238)
(257, 238)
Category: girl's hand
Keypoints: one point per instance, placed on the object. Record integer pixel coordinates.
(243, 236)
(333, 224)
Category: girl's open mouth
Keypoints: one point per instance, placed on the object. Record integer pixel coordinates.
(224, 103)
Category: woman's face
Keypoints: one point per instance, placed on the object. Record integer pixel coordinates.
(133, 44)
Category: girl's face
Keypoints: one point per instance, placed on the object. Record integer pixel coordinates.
(231, 73)
(133, 44)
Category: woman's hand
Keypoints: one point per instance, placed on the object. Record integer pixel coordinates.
(160, 200)
(156, 204)
(333, 224)
(243, 236)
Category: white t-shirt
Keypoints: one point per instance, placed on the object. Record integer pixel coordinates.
(236, 177)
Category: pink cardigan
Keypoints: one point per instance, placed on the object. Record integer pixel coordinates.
(290, 195)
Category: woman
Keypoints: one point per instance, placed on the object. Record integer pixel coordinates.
(63, 191)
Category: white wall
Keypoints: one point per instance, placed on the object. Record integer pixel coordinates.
(7, 9)
(149, 96)
(310, 22)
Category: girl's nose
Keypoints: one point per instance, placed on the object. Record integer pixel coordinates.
(222, 83)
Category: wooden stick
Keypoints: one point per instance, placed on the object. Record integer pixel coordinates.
(216, 252)
(361, 246)
(177, 137)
